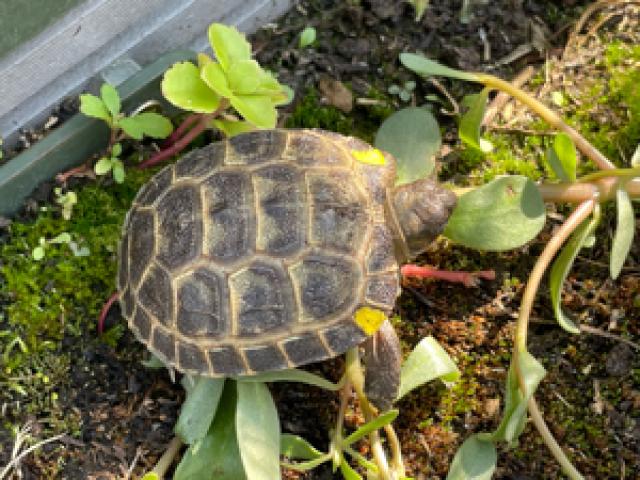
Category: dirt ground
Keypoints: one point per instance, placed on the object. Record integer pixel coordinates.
(123, 414)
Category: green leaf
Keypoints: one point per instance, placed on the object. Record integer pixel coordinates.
(471, 121)
(269, 86)
(244, 77)
(151, 476)
(199, 409)
(348, 473)
(307, 37)
(155, 125)
(428, 68)
(514, 415)
(412, 136)
(295, 447)
(284, 98)
(94, 107)
(111, 99)
(116, 150)
(213, 75)
(231, 128)
(147, 123)
(371, 426)
(256, 109)
(475, 460)
(625, 230)
(183, 87)
(229, 45)
(216, 456)
(292, 375)
(258, 430)
(635, 159)
(117, 170)
(102, 166)
(64, 237)
(426, 362)
(503, 214)
(562, 158)
(562, 266)
(420, 6)
(38, 253)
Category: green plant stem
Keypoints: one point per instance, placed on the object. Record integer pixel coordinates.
(167, 457)
(615, 172)
(201, 125)
(545, 258)
(396, 453)
(336, 443)
(354, 372)
(578, 192)
(179, 145)
(550, 441)
(550, 117)
(551, 249)
(306, 466)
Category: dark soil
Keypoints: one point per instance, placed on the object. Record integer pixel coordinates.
(124, 413)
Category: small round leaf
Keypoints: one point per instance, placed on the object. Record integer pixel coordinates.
(94, 107)
(111, 99)
(102, 166)
(412, 136)
(503, 214)
(307, 37)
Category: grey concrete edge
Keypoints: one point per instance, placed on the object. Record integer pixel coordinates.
(30, 90)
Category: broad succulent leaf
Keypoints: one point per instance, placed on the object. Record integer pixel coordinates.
(183, 87)
(229, 45)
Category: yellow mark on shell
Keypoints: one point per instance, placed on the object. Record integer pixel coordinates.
(369, 319)
(372, 156)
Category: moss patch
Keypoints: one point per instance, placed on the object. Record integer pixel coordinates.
(60, 296)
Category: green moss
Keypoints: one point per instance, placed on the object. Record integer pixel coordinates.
(609, 111)
(361, 122)
(511, 155)
(61, 295)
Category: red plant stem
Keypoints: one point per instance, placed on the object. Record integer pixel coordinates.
(105, 309)
(181, 130)
(468, 279)
(178, 146)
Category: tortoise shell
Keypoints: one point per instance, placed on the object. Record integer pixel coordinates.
(253, 254)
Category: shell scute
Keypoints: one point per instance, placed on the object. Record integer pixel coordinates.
(263, 298)
(229, 216)
(179, 226)
(266, 357)
(141, 244)
(256, 147)
(164, 344)
(339, 212)
(202, 304)
(281, 212)
(325, 286)
(198, 163)
(156, 294)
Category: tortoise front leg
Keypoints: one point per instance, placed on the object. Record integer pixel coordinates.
(382, 360)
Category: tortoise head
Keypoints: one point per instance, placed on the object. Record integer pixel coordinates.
(420, 210)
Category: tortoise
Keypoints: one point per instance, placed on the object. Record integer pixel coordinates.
(253, 254)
